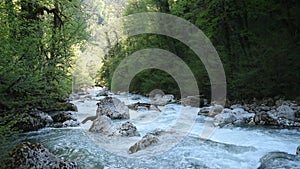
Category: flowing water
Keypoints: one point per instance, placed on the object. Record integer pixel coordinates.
(232, 147)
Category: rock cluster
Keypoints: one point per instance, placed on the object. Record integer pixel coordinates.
(237, 116)
(63, 119)
(105, 125)
(36, 119)
(278, 113)
(35, 155)
(33, 120)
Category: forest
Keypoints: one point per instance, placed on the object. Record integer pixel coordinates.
(257, 41)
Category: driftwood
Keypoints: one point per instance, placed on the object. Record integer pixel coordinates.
(92, 118)
(147, 105)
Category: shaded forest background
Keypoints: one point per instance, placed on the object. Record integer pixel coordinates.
(257, 41)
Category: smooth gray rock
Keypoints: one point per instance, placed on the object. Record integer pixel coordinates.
(102, 124)
(113, 108)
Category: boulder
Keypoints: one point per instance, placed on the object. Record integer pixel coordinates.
(113, 108)
(35, 155)
(285, 112)
(145, 142)
(32, 121)
(102, 124)
(279, 160)
(127, 129)
(162, 100)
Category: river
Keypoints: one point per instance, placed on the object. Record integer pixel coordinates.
(231, 147)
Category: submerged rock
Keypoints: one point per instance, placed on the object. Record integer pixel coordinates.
(145, 142)
(35, 155)
(279, 160)
(113, 108)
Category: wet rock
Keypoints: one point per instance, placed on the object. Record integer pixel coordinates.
(32, 121)
(102, 124)
(113, 108)
(145, 142)
(162, 100)
(35, 155)
(127, 129)
(279, 160)
(298, 150)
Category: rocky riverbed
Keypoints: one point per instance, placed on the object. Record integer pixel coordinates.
(167, 134)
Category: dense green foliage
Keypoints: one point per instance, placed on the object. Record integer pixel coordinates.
(36, 49)
(257, 41)
(36, 56)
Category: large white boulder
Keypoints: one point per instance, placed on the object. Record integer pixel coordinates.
(113, 108)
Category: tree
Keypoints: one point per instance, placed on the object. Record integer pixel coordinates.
(38, 38)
